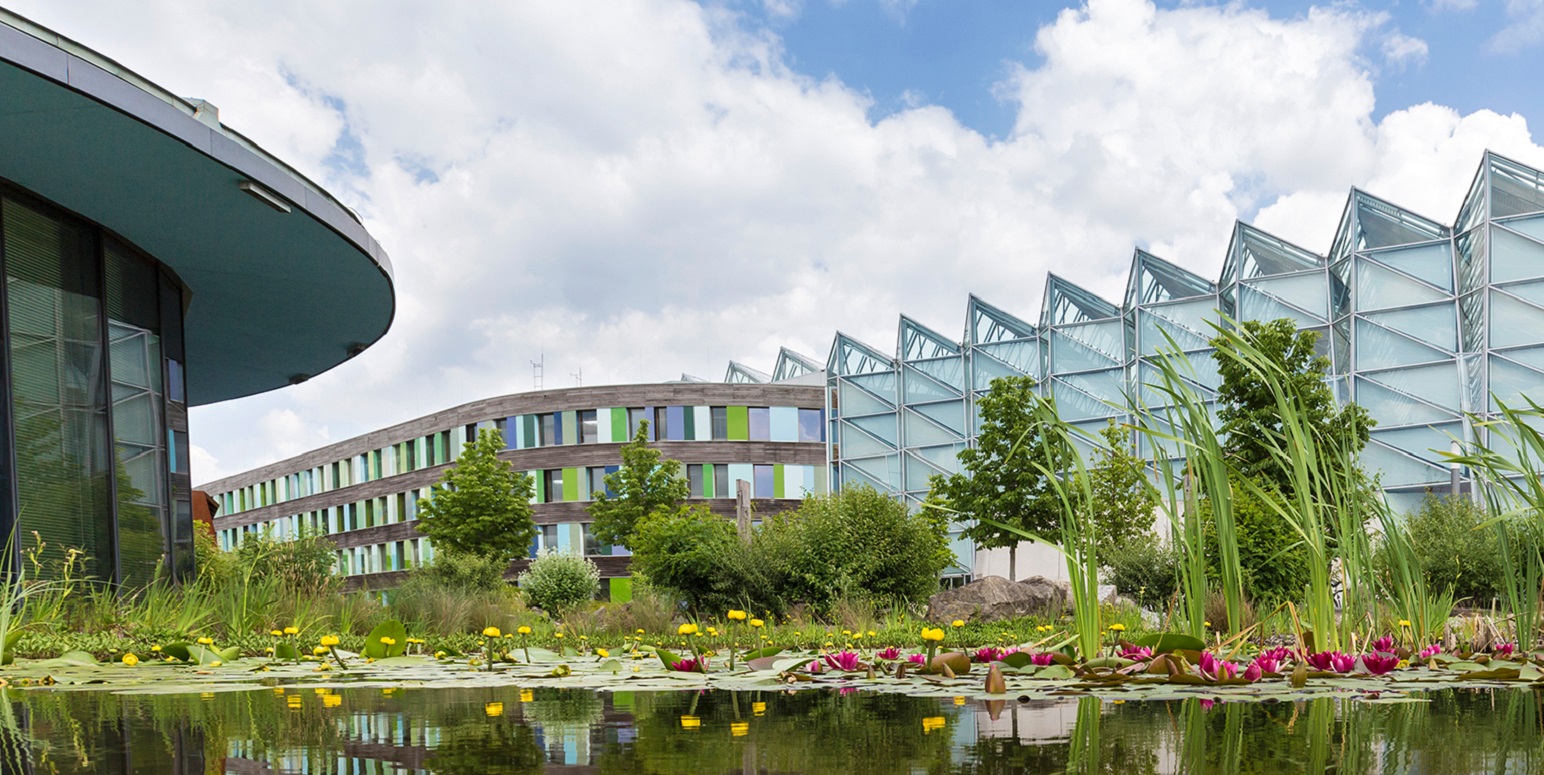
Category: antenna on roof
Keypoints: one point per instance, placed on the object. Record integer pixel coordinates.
(537, 366)
(578, 376)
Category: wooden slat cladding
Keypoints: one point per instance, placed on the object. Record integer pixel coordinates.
(541, 458)
(657, 394)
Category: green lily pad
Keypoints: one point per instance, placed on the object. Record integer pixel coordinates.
(1162, 642)
(392, 630)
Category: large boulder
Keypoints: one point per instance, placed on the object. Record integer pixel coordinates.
(992, 598)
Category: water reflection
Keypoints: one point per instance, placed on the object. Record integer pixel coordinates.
(361, 731)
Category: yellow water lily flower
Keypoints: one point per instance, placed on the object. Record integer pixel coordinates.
(329, 640)
(524, 630)
(490, 632)
(1117, 627)
(292, 630)
(738, 616)
(275, 633)
(957, 623)
(130, 660)
(932, 633)
(687, 629)
(757, 623)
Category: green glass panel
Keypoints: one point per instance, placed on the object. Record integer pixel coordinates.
(778, 482)
(1107, 338)
(1514, 257)
(739, 423)
(1532, 226)
(571, 485)
(619, 424)
(918, 472)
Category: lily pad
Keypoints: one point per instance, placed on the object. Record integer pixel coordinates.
(390, 629)
(1162, 642)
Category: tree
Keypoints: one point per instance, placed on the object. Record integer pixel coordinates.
(481, 505)
(644, 484)
(1249, 413)
(999, 478)
(1124, 503)
(697, 555)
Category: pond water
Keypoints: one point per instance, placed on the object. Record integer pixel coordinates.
(360, 731)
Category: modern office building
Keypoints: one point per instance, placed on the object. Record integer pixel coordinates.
(364, 492)
(151, 260)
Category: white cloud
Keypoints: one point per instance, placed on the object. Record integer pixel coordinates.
(1524, 26)
(1454, 5)
(1400, 51)
(643, 189)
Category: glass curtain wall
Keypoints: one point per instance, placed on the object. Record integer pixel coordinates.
(96, 408)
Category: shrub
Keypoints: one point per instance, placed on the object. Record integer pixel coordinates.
(857, 543)
(1145, 571)
(305, 564)
(697, 555)
(1270, 553)
(463, 571)
(559, 581)
(216, 568)
(1455, 548)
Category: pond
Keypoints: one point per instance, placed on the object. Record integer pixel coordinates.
(513, 730)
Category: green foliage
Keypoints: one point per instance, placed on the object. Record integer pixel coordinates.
(1454, 548)
(998, 478)
(1145, 571)
(1124, 503)
(557, 582)
(857, 543)
(697, 555)
(450, 569)
(1271, 554)
(305, 564)
(216, 568)
(1248, 407)
(481, 505)
(644, 484)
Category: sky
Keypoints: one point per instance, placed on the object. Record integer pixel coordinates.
(636, 189)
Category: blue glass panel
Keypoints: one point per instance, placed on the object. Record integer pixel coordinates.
(1150, 334)
(853, 400)
(1421, 441)
(1432, 263)
(1532, 226)
(947, 371)
(1023, 356)
(1306, 291)
(1400, 469)
(950, 414)
(1514, 257)
(1254, 305)
(885, 470)
(1379, 348)
(1069, 355)
(1107, 338)
(918, 472)
(881, 384)
(1509, 382)
(881, 426)
(1073, 404)
(1391, 408)
(851, 476)
(1513, 322)
(985, 368)
(921, 432)
(920, 387)
(1378, 287)
(944, 458)
(1435, 383)
(1436, 325)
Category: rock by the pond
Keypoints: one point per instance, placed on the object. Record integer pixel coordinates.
(993, 598)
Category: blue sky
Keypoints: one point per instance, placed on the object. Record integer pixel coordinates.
(951, 52)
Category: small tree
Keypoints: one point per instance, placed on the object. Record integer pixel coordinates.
(644, 484)
(999, 478)
(481, 505)
(697, 555)
(1124, 503)
(557, 582)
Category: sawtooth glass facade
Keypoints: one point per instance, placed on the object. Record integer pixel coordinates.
(1424, 324)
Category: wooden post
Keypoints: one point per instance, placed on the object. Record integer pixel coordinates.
(742, 508)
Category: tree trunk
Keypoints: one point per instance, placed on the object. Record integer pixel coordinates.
(1013, 561)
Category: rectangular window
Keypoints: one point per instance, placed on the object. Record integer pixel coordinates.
(762, 486)
(811, 425)
(662, 427)
(554, 483)
(411, 447)
(593, 547)
(549, 430)
(760, 423)
(721, 481)
(549, 536)
(597, 481)
(636, 417)
(720, 422)
(589, 427)
(694, 480)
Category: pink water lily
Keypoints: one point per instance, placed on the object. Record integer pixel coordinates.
(1384, 644)
(917, 659)
(1379, 663)
(889, 654)
(1214, 669)
(988, 654)
(1253, 672)
(1266, 664)
(688, 665)
(1431, 651)
(814, 666)
(846, 661)
(1137, 653)
(1333, 661)
(1042, 659)
(1280, 654)
(1504, 649)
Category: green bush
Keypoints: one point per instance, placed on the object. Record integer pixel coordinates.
(858, 543)
(698, 556)
(305, 564)
(1145, 571)
(557, 582)
(1271, 554)
(463, 571)
(1456, 549)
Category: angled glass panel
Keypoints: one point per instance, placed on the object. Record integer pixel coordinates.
(1531, 226)
(1254, 305)
(1436, 384)
(948, 371)
(1023, 356)
(1514, 257)
(853, 401)
(1390, 407)
(1378, 287)
(884, 471)
(985, 368)
(1432, 263)
(1436, 325)
(856, 443)
(918, 472)
(1397, 468)
(1254, 253)
(944, 458)
(854, 477)
(1514, 322)
(920, 387)
(1382, 224)
(950, 414)
(1470, 247)
(922, 432)
(881, 384)
(850, 356)
(1471, 321)
(1306, 291)
(989, 324)
(740, 374)
(1340, 346)
(791, 364)
(1472, 368)
(1150, 334)
(918, 342)
(1514, 188)
(1197, 315)
(880, 426)
(1420, 441)
(1107, 338)
(1108, 385)
(1532, 357)
(1067, 304)
(1509, 382)
(1069, 355)
(1155, 280)
(1477, 202)
(1074, 404)
(1531, 292)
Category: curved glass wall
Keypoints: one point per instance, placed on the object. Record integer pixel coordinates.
(95, 420)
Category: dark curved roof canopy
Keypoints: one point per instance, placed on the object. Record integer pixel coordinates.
(285, 282)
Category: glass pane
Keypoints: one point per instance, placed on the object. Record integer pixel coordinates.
(761, 487)
(1513, 322)
(1432, 263)
(1423, 442)
(1378, 348)
(1509, 382)
(950, 414)
(1151, 329)
(1023, 356)
(760, 423)
(810, 425)
(882, 384)
(987, 368)
(921, 432)
(856, 443)
(1391, 408)
(1070, 355)
(1254, 305)
(920, 388)
(949, 372)
(1436, 384)
(851, 401)
(1514, 257)
(1436, 325)
(1398, 469)
(1381, 288)
(1306, 291)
